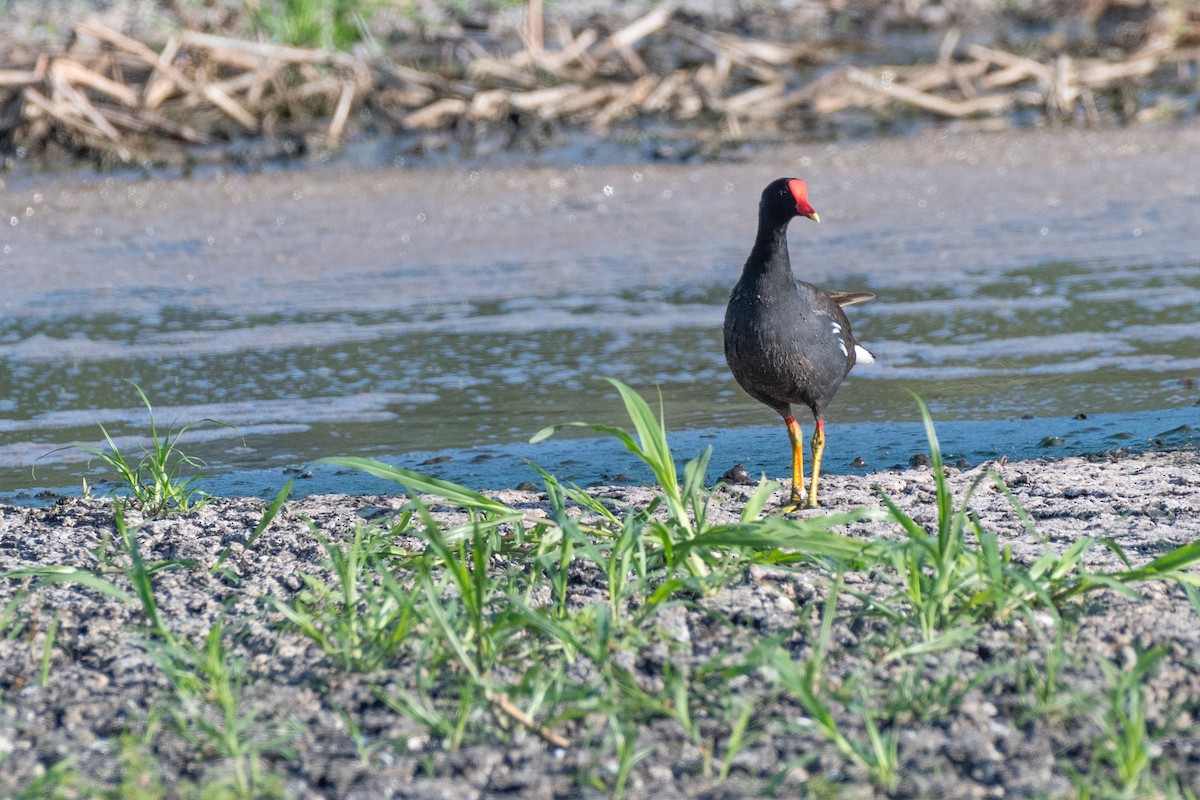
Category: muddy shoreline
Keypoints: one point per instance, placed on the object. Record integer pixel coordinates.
(1048, 240)
(75, 704)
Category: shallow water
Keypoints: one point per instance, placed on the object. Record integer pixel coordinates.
(405, 314)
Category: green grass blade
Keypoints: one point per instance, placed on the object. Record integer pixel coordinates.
(758, 500)
(82, 577)
(268, 516)
(945, 500)
(1177, 559)
(436, 609)
(694, 472)
(652, 435)
(272, 510)
(608, 430)
(454, 493)
(582, 498)
(810, 536)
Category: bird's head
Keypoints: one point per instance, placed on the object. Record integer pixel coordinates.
(786, 198)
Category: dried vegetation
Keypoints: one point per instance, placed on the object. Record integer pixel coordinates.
(103, 91)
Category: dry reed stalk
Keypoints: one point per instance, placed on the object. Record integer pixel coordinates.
(926, 79)
(1099, 73)
(1064, 87)
(664, 93)
(555, 62)
(20, 77)
(246, 81)
(688, 102)
(489, 105)
(1003, 77)
(148, 56)
(75, 103)
(437, 113)
(535, 30)
(710, 82)
(983, 104)
(145, 121)
(67, 116)
(341, 115)
(315, 88)
(633, 61)
(576, 102)
(1001, 58)
(622, 41)
(776, 107)
(501, 69)
(538, 99)
(159, 87)
(71, 71)
(430, 80)
(747, 51)
(742, 102)
(625, 101)
(266, 50)
(760, 58)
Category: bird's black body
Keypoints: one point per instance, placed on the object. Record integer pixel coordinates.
(787, 342)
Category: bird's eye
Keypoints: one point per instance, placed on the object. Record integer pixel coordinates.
(783, 192)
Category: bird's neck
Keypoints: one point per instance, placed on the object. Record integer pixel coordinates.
(770, 253)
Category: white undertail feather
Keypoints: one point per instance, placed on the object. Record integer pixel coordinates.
(862, 355)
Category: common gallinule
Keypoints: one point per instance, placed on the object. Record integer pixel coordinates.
(788, 342)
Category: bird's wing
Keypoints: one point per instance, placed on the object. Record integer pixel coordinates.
(844, 299)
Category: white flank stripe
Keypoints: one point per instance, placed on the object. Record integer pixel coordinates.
(862, 355)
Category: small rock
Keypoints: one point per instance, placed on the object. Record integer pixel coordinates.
(859, 461)
(919, 460)
(372, 512)
(736, 475)
(1052, 441)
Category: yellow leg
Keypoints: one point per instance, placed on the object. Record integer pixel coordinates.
(818, 448)
(797, 439)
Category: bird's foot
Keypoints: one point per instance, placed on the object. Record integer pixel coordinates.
(794, 503)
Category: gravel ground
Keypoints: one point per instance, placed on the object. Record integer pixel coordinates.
(105, 696)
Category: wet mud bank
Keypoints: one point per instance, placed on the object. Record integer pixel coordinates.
(457, 311)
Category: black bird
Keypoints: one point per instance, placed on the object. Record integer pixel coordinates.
(788, 342)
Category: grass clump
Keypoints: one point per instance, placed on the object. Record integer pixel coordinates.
(328, 24)
(362, 616)
(209, 709)
(155, 481)
(953, 579)
(930, 594)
